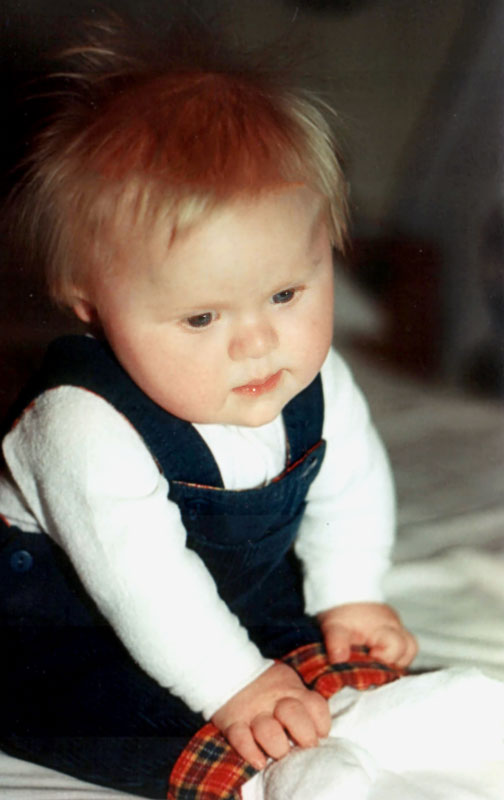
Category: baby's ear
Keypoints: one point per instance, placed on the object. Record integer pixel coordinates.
(84, 309)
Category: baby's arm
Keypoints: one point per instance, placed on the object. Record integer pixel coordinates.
(347, 532)
(92, 485)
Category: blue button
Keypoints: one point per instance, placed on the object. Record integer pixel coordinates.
(21, 561)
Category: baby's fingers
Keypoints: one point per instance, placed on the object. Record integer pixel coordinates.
(239, 736)
(393, 646)
(265, 737)
(410, 651)
(338, 641)
(270, 735)
(293, 717)
(320, 713)
(304, 722)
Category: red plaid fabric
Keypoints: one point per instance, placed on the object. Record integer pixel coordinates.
(210, 769)
(361, 672)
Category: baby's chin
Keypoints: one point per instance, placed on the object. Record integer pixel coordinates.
(261, 411)
(255, 419)
(255, 415)
(260, 421)
(248, 410)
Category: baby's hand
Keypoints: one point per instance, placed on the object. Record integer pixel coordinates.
(276, 707)
(375, 625)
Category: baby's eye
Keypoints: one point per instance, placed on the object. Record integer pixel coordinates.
(201, 320)
(284, 297)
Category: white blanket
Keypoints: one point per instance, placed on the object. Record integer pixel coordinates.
(438, 735)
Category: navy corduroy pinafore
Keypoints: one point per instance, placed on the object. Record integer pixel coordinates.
(72, 697)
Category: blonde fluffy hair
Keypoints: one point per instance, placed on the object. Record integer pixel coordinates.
(142, 138)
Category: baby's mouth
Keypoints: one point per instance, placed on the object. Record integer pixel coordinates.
(260, 386)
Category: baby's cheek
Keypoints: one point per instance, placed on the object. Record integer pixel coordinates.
(314, 345)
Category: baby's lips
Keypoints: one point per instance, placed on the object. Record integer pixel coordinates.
(258, 387)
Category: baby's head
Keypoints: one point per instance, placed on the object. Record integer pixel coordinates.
(189, 213)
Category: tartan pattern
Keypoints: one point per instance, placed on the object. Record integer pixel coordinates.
(361, 672)
(210, 769)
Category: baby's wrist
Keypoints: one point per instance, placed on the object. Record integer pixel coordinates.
(234, 687)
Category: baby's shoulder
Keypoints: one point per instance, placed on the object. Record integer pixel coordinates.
(336, 375)
(80, 427)
(68, 408)
(344, 404)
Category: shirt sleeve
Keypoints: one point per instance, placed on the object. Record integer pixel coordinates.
(93, 486)
(347, 531)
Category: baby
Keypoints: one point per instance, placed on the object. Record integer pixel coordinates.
(193, 489)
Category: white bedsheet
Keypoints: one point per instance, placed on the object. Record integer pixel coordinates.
(448, 583)
(402, 742)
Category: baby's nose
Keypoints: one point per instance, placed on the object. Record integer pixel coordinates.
(253, 340)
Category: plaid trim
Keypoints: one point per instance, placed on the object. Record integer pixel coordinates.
(361, 672)
(210, 769)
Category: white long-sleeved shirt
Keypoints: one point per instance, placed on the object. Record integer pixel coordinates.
(79, 471)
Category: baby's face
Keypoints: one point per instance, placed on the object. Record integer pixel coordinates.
(232, 320)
